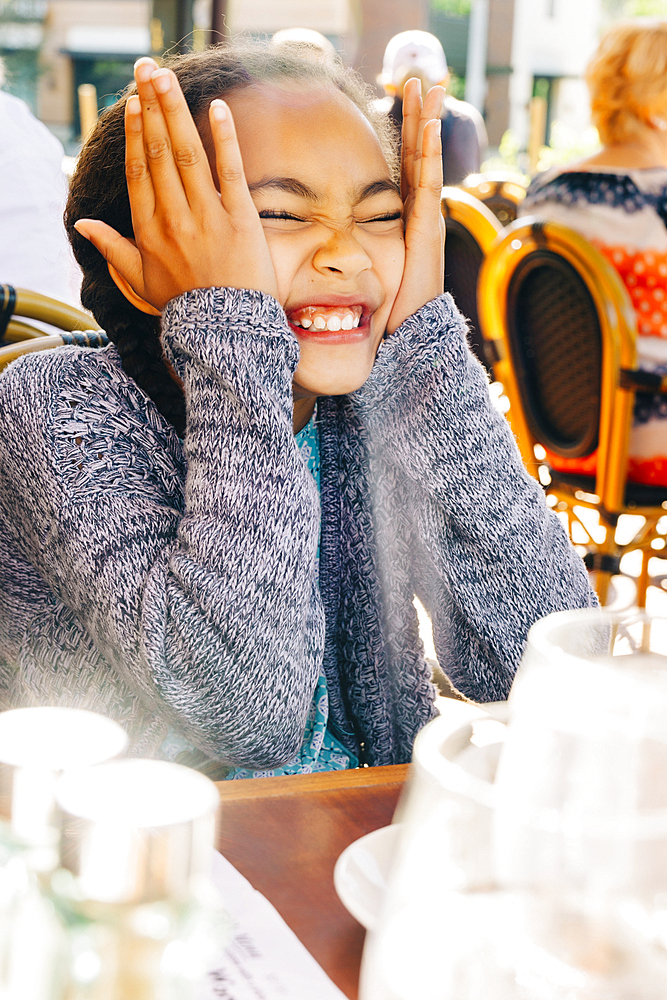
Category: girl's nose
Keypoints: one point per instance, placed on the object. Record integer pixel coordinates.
(341, 253)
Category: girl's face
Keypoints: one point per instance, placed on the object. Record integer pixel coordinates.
(333, 223)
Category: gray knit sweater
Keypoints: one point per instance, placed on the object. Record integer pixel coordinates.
(170, 584)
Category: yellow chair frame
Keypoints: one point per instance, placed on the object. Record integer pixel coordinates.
(619, 357)
(495, 183)
(482, 227)
(80, 338)
(34, 305)
(471, 213)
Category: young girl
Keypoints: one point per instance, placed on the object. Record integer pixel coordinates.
(164, 555)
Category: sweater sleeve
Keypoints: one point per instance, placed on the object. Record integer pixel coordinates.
(490, 557)
(205, 602)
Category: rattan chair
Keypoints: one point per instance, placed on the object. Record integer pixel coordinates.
(501, 192)
(470, 230)
(81, 338)
(562, 331)
(20, 302)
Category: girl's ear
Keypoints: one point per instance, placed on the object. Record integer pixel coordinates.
(130, 294)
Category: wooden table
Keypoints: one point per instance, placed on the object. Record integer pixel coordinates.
(285, 834)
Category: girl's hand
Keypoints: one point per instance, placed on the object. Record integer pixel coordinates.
(421, 186)
(186, 234)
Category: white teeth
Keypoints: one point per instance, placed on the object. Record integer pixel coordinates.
(333, 322)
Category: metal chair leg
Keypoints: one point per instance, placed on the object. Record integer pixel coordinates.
(643, 580)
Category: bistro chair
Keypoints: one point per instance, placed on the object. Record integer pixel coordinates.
(562, 332)
(44, 342)
(470, 230)
(500, 191)
(20, 302)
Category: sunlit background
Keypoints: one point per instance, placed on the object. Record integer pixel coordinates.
(519, 61)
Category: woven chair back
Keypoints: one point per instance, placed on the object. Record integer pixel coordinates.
(556, 342)
(504, 209)
(463, 259)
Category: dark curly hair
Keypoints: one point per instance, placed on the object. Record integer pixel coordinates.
(98, 189)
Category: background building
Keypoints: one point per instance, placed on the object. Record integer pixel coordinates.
(88, 41)
(548, 58)
(503, 53)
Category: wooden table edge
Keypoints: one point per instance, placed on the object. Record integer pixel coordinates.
(323, 781)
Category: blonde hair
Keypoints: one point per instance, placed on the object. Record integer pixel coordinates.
(627, 79)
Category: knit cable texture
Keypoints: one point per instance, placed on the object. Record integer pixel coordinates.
(170, 584)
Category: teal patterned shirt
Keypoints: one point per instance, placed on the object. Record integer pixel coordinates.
(320, 750)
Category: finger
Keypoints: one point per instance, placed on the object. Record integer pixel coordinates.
(118, 251)
(186, 145)
(234, 192)
(139, 182)
(433, 103)
(411, 113)
(166, 179)
(430, 180)
(432, 109)
(425, 229)
(423, 276)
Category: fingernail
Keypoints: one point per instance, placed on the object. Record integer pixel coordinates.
(80, 230)
(438, 127)
(219, 110)
(143, 68)
(133, 106)
(161, 80)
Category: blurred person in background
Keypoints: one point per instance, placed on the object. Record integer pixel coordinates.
(420, 54)
(617, 199)
(34, 249)
(304, 39)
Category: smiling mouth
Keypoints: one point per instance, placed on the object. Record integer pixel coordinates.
(321, 319)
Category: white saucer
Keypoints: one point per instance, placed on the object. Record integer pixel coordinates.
(362, 872)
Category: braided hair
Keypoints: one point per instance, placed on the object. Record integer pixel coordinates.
(98, 190)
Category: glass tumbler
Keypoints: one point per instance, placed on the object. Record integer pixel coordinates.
(37, 745)
(133, 888)
(445, 931)
(580, 824)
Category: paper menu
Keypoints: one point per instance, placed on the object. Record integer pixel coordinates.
(264, 959)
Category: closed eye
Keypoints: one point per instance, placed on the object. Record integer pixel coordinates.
(271, 214)
(387, 217)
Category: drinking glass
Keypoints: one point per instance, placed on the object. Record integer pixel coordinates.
(133, 889)
(37, 745)
(443, 933)
(580, 824)
(532, 864)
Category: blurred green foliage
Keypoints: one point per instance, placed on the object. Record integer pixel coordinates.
(456, 86)
(507, 158)
(459, 7)
(647, 8)
(20, 71)
(566, 145)
(23, 10)
(635, 8)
